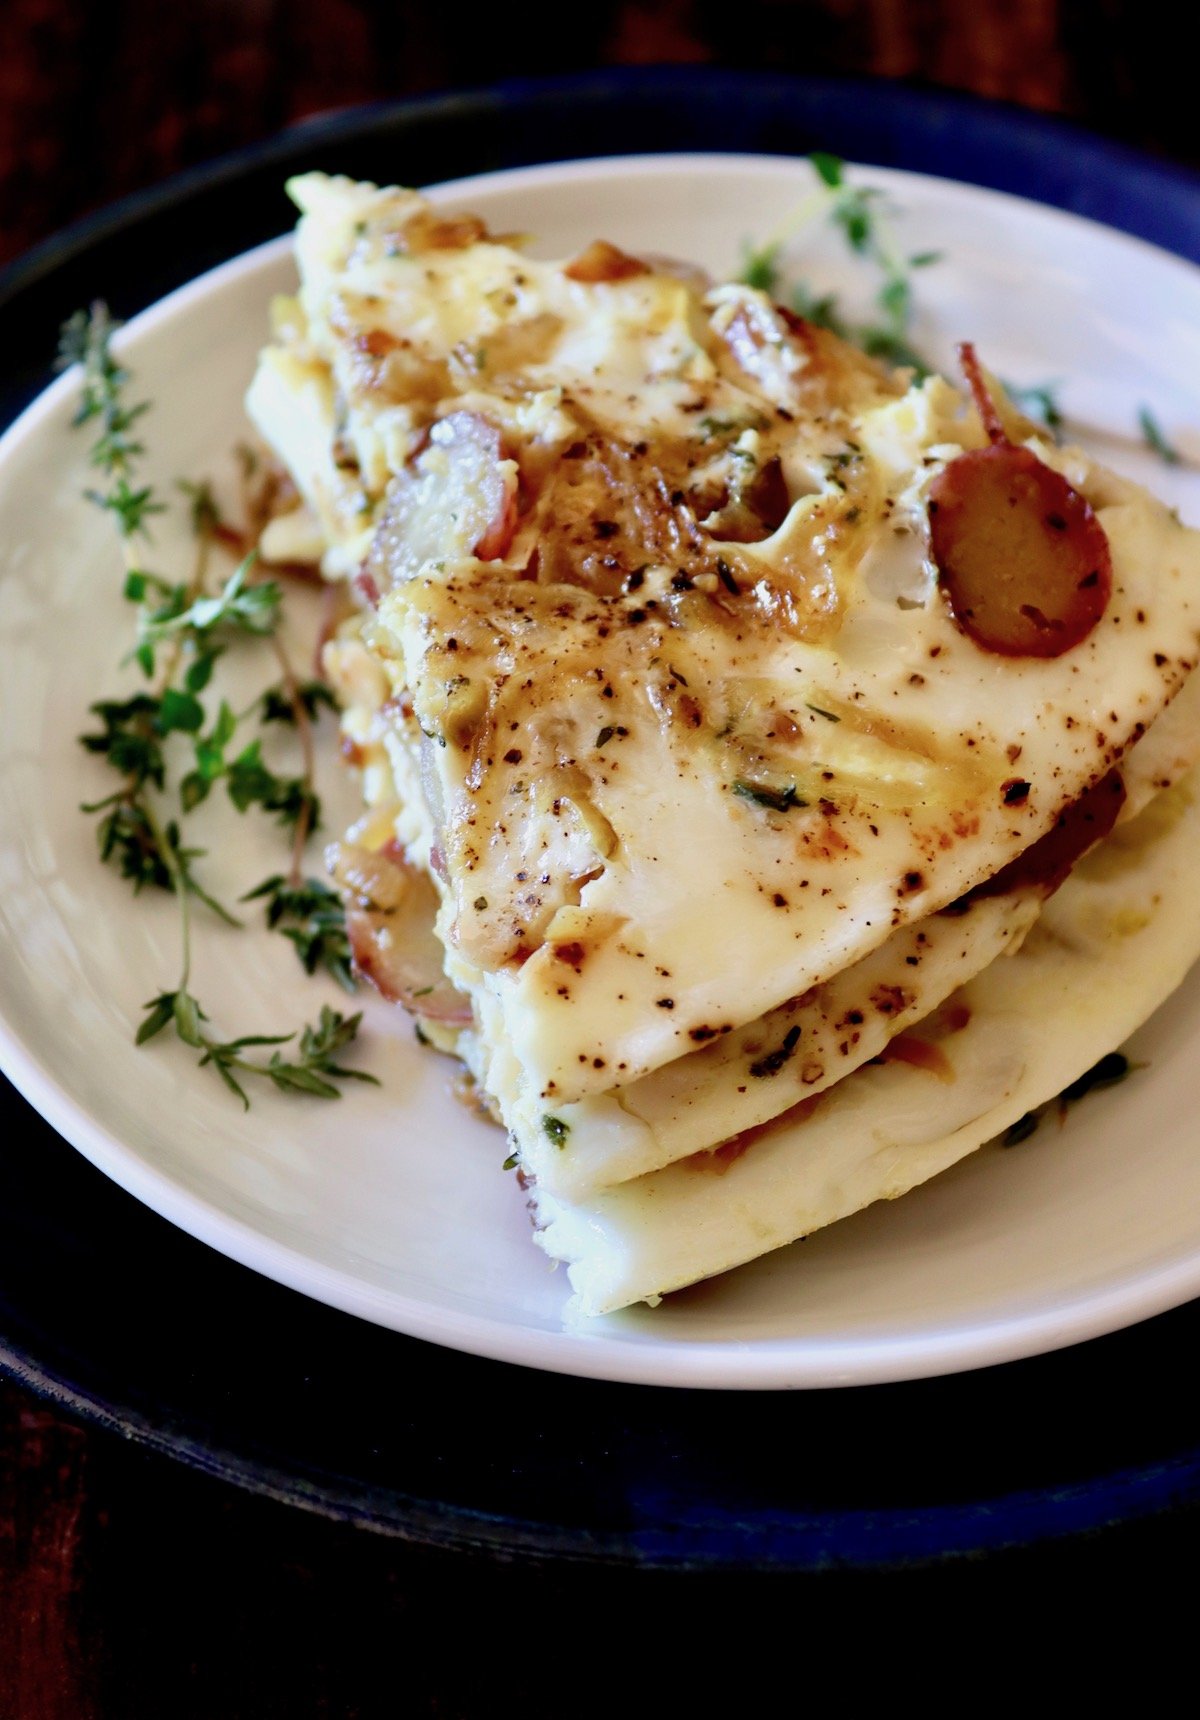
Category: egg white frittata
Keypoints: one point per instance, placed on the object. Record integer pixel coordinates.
(676, 674)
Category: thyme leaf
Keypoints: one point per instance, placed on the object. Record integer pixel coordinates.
(762, 794)
(1113, 1068)
(1152, 435)
(313, 917)
(278, 704)
(86, 340)
(131, 738)
(181, 635)
(858, 211)
(238, 606)
(822, 312)
(313, 1071)
(760, 268)
(1038, 400)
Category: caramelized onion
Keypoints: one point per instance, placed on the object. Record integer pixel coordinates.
(601, 261)
(429, 231)
(757, 508)
(918, 1054)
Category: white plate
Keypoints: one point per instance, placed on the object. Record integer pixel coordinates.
(392, 1203)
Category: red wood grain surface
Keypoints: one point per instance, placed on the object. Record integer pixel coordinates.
(100, 99)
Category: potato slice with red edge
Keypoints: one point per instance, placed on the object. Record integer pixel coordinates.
(1022, 560)
(1047, 863)
(457, 498)
(390, 911)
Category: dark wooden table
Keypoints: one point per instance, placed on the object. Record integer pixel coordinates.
(98, 99)
(129, 1586)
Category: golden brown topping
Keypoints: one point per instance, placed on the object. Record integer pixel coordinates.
(755, 504)
(601, 261)
(428, 231)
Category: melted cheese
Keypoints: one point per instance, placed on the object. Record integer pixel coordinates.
(728, 845)
(1111, 946)
(658, 666)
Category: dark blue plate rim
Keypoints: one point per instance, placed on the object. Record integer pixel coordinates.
(997, 144)
(638, 1511)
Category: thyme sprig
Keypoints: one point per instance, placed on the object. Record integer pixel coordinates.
(1038, 400)
(858, 211)
(1113, 1068)
(313, 1072)
(1152, 435)
(312, 916)
(145, 846)
(183, 629)
(86, 339)
(279, 704)
(238, 608)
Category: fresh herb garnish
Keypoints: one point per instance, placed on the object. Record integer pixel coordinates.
(556, 1130)
(248, 779)
(312, 916)
(828, 167)
(279, 703)
(1153, 436)
(760, 268)
(238, 607)
(858, 211)
(86, 340)
(313, 1071)
(821, 311)
(1112, 1068)
(1038, 400)
(762, 794)
(182, 631)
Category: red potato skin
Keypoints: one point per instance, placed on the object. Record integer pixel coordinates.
(473, 427)
(396, 951)
(495, 543)
(1022, 560)
(1048, 862)
(1023, 563)
(397, 978)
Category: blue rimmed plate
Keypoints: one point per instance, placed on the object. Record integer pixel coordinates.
(263, 1216)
